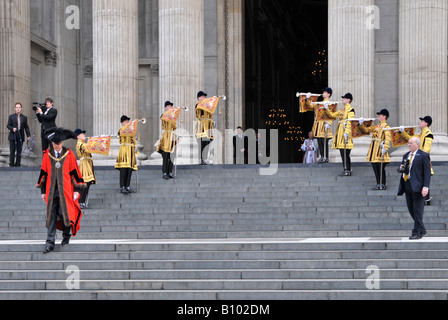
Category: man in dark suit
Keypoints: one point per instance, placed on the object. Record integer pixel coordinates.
(17, 126)
(47, 118)
(415, 183)
(240, 147)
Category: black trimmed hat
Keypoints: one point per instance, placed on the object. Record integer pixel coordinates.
(168, 103)
(125, 118)
(384, 112)
(202, 93)
(77, 132)
(348, 96)
(428, 120)
(329, 90)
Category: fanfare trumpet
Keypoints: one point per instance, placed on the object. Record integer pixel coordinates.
(398, 128)
(143, 120)
(223, 97)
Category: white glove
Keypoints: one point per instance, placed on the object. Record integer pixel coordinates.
(75, 196)
(383, 151)
(308, 95)
(346, 136)
(361, 121)
(326, 105)
(327, 127)
(401, 129)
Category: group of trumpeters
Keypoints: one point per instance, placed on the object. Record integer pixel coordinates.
(381, 133)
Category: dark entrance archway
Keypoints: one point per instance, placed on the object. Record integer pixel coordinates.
(286, 45)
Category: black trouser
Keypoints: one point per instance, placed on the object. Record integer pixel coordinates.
(377, 170)
(324, 148)
(416, 206)
(15, 146)
(56, 211)
(204, 144)
(125, 177)
(85, 193)
(167, 167)
(345, 153)
(45, 143)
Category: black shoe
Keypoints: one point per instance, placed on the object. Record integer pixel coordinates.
(415, 237)
(171, 176)
(48, 249)
(428, 202)
(326, 161)
(383, 187)
(165, 176)
(378, 187)
(203, 163)
(123, 190)
(129, 189)
(346, 174)
(65, 242)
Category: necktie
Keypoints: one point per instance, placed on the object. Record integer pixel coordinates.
(406, 177)
(18, 122)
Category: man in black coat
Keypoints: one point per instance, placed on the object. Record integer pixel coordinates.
(240, 148)
(47, 118)
(415, 182)
(17, 126)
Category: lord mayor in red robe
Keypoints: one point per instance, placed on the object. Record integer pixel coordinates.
(60, 172)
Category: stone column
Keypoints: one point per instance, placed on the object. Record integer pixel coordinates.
(181, 54)
(15, 63)
(231, 70)
(115, 63)
(181, 65)
(423, 61)
(423, 64)
(351, 60)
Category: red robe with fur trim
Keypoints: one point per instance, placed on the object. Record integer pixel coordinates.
(64, 171)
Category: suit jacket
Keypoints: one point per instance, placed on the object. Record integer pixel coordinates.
(420, 175)
(48, 121)
(240, 144)
(13, 124)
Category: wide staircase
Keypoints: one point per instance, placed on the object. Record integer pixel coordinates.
(228, 233)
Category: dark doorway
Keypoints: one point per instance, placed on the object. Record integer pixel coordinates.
(286, 45)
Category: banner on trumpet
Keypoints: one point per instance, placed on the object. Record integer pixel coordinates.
(130, 130)
(210, 104)
(302, 98)
(172, 115)
(322, 115)
(99, 145)
(397, 138)
(356, 127)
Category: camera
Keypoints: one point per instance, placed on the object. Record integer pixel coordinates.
(36, 105)
(404, 167)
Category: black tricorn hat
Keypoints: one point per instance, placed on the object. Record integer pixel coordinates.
(58, 135)
(168, 103)
(348, 96)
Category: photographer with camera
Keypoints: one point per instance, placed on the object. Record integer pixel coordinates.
(17, 126)
(46, 115)
(415, 181)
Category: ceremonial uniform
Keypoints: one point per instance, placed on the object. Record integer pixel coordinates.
(205, 127)
(381, 142)
(167, 145)
(319, 128)
(344, 128)
(87, 169)
(59, 179)
(127, 159)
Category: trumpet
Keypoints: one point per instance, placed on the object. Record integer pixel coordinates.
(223, 97)
(298, 95)
(143, 120)
(186, 109)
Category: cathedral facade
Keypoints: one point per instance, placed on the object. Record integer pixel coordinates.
(101, 59)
